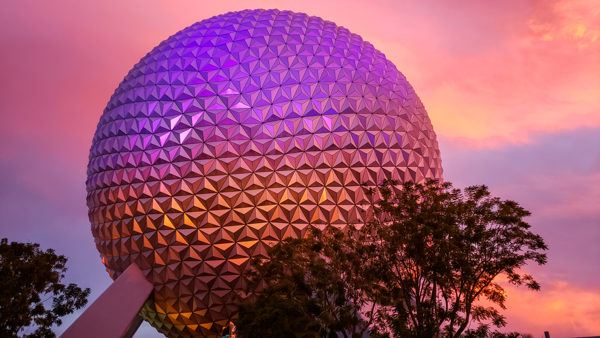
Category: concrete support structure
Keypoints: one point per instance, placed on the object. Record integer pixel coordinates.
(115, 313)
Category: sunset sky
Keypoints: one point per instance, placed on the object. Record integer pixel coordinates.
(513, 92)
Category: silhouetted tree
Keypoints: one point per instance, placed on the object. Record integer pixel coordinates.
(308, 289)
(32, 297)
(421, 267)
(438, 252)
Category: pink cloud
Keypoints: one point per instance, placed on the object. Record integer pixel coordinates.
(560, 308)
(521, 83)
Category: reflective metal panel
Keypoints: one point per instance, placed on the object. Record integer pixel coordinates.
(234, 133)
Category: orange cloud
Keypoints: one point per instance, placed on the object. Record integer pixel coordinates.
(574, 21)
(541, 75)
(563, 309)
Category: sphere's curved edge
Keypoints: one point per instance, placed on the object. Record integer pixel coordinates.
(238, 131)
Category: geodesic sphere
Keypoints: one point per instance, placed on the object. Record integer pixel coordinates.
(234, 133)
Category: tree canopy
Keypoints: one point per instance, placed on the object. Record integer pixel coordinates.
(308, 289)
(32, 295)
(427, 263)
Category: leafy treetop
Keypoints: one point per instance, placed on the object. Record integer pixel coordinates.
(32, 295)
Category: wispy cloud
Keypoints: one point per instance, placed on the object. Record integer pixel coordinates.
(533, 70)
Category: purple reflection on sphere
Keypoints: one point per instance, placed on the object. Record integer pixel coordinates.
(234, 133)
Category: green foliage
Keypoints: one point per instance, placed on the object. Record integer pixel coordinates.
(308, 290)
(32, 297)
(443, 250)
(424, 265)
(275, 315)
